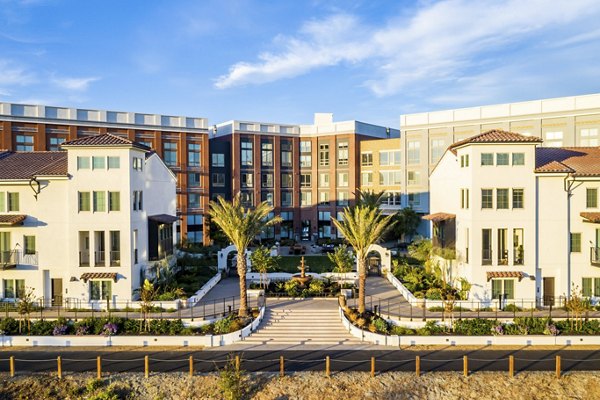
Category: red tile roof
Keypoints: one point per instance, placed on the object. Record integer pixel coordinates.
(579, 161)
(102, 140)
(98, 275)
(593, 217)
(437, 217)
(12, 219)
(25, 165)
(496, 136)
(505, 274)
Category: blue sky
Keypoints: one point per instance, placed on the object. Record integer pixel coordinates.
(281, 61)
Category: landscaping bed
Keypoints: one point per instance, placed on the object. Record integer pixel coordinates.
(317, 264)
(292, 288)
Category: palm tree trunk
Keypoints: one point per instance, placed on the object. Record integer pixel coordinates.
(362, 280)
(241, 268)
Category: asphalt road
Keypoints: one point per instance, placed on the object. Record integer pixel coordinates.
(32, 361)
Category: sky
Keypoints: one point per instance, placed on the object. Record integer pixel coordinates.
(282, 61)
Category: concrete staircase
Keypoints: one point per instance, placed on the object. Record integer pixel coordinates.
(302, 325)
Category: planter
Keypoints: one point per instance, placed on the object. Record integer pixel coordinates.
(255, 292)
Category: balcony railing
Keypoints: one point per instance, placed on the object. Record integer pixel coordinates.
(99, 257)
(29, 258)
(12, 258)
(486, 257)
(595, 256)
(84, 258)
(115, 258)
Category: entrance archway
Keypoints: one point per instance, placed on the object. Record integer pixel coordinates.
(385, 257)
(224, 256)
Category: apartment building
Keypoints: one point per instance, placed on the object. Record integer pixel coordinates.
(82, 225)
(522, 219)
(309, 173)
(566, 121)
(182, 142)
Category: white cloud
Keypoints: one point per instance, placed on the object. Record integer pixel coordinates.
(75, 84)
(12, 74)
(438, 41)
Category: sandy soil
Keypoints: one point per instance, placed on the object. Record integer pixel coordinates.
(309, 386)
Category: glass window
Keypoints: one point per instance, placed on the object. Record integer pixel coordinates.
(305, 180)
(464, 198)
(267, 154)
(247, 198)
(286, 180)
(305, 199)
(553, 139)
(323, 155)
(193, 154)
(487, 198)
(323, 197)
(366, 159)
(24, 143)
(413, 177)
(99, 201)
(114, 201)
(83, 163)
(84, 201)
(502, 158)
(588, 137)
(487, 158)
(14, 288)
(518, 198)
(268, 197)
(437, 149)
(246, 153)
(575, 243)
(114, 162)
(366, 178)
(194, 180)
(100, 290)
(414, 152)
(503, 246)
(137, 200)
(193, 200)
(138, 163)
(267, 180)
(218, 160)
(286, 154)
(29, 244)
(414, 200)
(305, 146)
(286, 199)
(55, 142)
(218, 180)
(389, 178)
(170, 153)
(247, 180)
(98, 163)
(13, 201)
(342, 153)
(586, 287)
(342, 179)
(342, 199)
(464, 161)
(2, 202)
(502, 199)
(486, 246)
(591, 197)
(323, 180)
(305, 160)
(509, 289)
(518, 249)
(518, 158)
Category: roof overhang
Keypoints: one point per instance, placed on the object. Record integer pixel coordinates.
(12, 219)
(593, 217)
(163, 218)
(439, 217)
(99, 275)
(505, 274)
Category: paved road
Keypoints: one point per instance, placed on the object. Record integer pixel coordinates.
(304, 360)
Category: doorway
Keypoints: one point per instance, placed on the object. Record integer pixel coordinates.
(57, 289)
(548, 291)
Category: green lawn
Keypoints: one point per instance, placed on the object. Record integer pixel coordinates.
(316, 264)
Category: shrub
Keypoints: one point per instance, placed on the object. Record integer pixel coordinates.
(436, 309)
(222, 326)
(291, 288)
(232, 382)
(93, 384)
(9, 326)
(401, 331)
(352, 316)
(361, 322)
(433, 294)
(131, 327)
(474, 326)
(512, 308)
(316, 286)
(432, 328)
(110, 329)
(42, 328)
(381, 326)
(533, 326)
(60, 330)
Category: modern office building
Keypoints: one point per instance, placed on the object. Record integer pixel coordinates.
(83, 225)
(182, 143)
(309, 173)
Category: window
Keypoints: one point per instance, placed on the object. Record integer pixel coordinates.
(138, 200)
(487, 198)
(464, 161)
(305, 146)
(268, 197)
(246, 153)
(323, 155)
(114, 162)
(146, 143)
(502, 158)
(413, 177)
(267, 180)
(391, 198)
(486, 247)
(98, 163)
(518, 158)
(305, 160)
(2, 202)
(115, 248)
(100, 290)
(591, 198)
(414, 152)
(286, 180)
(194, 228)
(366, 159)
(504, 288)
(305, 180)
(137, 163)
(286, 154)
(342, 179)
(13, 201)
(487, 159)
(324, 197)
(586, 287)
(286, 199)
(83, 163)
(502, 199)
(464, 198)
(218, 179)
(29, 244)
(414, 200)
(193, 155)
(323, 180)
(366, 178)
(467, 245)
(575, 244)
(14, 288)
(218, 160)
(553, 139)
(24, 143)
(247, 198)
(170, 153)
(324, 216)
(518, 249)
(342, 153)
(388, 178)
(518, 198)
(114, 201)
(588, 137)
(193, 200)
(267, 154)
(54, 143)
(342, 199)
(194, 180)
(597, 287)
(84, 201)
(305, 199)
(99, 201)
(437, 149)
(247, 179)
(503, 246)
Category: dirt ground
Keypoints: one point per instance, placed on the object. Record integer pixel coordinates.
(308, 386)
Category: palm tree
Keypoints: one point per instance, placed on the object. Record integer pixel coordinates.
(369, 198)
(241, 225)
(362, 226)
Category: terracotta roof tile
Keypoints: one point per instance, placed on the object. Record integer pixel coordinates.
(591, 217)
(505, 274)
(12, 219)
(496, 136)
(98, 275)
(25, 165)
(579, 161)
(437, 217)
(105, 139)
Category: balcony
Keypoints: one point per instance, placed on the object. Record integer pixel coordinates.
(595, 256)
(84, 258)
(486, 257)
(115, 258)
(99, 257)
(10, 259)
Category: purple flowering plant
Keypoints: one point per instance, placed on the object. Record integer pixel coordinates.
(109, 329)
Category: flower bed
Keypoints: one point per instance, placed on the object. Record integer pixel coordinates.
(292, 288)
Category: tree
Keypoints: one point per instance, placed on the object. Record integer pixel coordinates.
(362, 226)
(147, 294)
(369, 198)
(241, 225)
(25, 306)
(342, 259)
(407, 222)
(262, 262)
(577, 304)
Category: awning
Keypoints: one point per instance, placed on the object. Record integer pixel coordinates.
(593, 217)
(12, 219)
(98, 275)
(163, 218)
(505, 274)
(439, 217)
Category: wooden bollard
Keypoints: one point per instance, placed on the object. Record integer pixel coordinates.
(59, 367)
(237, 363)
(327, 367)
(558, 369)
(372, 367)
(12, 366)
(418, 365)
(99, 367)
(191, 366)
(146, 366)
(465, 366)
(511, 366)
(281, 366)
